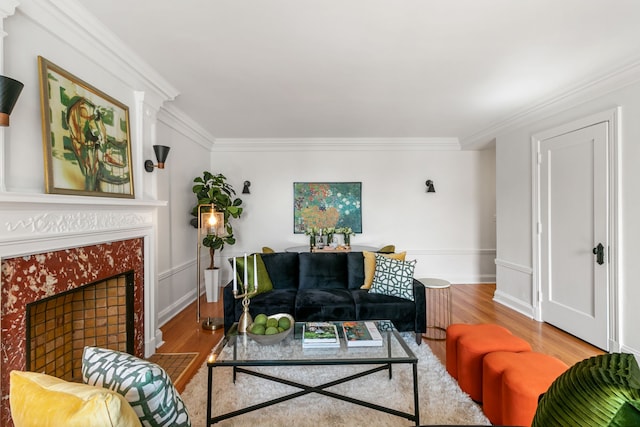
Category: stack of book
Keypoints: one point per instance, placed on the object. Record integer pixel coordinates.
(320, 335)
(361, 334)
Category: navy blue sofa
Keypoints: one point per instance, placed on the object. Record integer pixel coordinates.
(326, 287)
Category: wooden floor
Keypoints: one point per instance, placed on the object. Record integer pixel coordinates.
(471, 304)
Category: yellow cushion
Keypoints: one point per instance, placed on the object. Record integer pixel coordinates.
(370, 265)
(40, 400)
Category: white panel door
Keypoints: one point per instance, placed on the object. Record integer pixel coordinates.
(574, 221)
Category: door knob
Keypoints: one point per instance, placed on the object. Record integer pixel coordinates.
(598, 251)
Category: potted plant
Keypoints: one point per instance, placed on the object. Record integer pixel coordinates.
(214, 190)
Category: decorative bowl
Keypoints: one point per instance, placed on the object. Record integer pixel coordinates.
(275, 338)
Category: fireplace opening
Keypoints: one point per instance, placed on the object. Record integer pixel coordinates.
(98, 314)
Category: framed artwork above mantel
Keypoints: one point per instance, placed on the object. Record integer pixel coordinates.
(85, 135)
(327, 204)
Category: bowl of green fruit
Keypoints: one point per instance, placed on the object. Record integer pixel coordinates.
(267, 330)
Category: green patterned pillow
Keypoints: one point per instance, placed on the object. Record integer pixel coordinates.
(393, 277)
(600, 391)
(145, 385)
(264, 281)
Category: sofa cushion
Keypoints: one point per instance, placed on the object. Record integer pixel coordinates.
(323, 271)
(283, 269)
(324, 304)
(264, 282)
(393, 277)
(145, 385)
(370, 306)
(40, 400)
(370, 265)
(355, 270)
(274, 302)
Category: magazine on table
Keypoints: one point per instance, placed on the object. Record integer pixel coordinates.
(319, 334)
(361, 334)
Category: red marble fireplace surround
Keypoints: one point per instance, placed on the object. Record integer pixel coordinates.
(30, 278)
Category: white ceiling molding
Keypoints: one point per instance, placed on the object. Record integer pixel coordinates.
(183, 124)
(8, 7)
(579, 94)
(336, 144)
(69, 20)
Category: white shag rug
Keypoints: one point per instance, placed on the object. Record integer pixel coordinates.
(441, 400)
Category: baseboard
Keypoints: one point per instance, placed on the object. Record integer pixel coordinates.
(172, 310)
(634, 351)
(514, 304)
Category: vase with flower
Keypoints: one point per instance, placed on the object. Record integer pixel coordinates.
(347, 232)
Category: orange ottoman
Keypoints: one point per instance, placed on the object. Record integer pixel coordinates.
(457, 330)
(513, 382)
(471, 349)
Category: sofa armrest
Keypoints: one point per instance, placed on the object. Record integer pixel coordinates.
(229, 306)
(421, 306)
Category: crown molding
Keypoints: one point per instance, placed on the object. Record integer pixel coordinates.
(177, 120)
(8, 7)
(613, 80)
(336, 144)
(70, 20)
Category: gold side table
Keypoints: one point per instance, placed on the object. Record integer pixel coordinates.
(438, 296)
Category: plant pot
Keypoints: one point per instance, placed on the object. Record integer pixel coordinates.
(212, 284)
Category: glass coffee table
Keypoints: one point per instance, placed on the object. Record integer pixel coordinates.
(241, 352)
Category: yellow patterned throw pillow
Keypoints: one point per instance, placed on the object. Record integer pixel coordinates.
(40, 400)
(370, 265)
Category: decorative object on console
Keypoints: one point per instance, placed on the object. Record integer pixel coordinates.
(393, 277)
(162, 151)
(86, 140)
(41, 400)
(9, 92)
(327, 205)
(245, 188)
(145, 385)
(430, 187)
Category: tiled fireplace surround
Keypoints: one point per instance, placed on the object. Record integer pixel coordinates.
(54, 244)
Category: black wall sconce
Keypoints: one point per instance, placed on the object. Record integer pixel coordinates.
(162, 151)
(430, 188)
(245, 189)
(9, 92)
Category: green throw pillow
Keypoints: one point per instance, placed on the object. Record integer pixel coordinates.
(264, 282)
(145, 385)
(393, 277)
(600, 391)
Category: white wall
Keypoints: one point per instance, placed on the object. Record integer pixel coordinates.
(451, 232)
(514, 217)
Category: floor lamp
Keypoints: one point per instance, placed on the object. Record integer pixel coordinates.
(209, 222)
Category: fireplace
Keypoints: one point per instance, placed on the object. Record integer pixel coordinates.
(59, 327)
(39, 277)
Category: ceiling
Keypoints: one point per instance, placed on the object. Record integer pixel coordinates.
(371, 68)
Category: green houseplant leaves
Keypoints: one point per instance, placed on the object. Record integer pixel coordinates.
(214, 189)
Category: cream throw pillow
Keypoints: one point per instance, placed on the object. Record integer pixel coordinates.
(370, 265)
(40, 400)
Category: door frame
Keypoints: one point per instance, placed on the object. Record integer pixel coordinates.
(613, 117)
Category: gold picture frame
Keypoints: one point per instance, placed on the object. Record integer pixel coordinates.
(85, 135)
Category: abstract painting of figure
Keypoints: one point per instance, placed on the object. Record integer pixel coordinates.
(85, 135)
